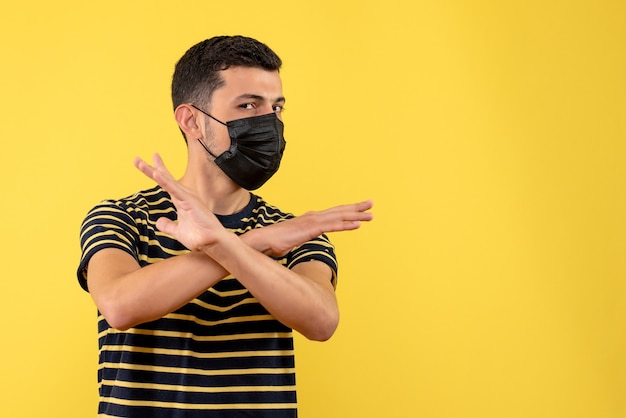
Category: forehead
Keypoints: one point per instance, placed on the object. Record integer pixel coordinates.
(249, 80)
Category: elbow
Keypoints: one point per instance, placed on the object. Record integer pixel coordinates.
(323, 328)
(321, 336)
(119, 324)
(117, 316)
(117, 310)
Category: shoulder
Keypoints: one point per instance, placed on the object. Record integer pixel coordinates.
(144, 203)
(267, 214)
(149, 199)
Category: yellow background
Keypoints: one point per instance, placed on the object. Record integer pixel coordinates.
(491, 136)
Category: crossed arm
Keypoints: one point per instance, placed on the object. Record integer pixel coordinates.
(301, 298)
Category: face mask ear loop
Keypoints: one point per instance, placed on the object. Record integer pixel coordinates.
(212, 117)
(199, 139)
(206, 148)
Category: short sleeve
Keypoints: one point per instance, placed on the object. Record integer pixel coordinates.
(107, 225)
(320, 249)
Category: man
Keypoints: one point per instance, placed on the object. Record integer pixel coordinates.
(198, 282)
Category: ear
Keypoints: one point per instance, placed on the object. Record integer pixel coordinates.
(185, 115)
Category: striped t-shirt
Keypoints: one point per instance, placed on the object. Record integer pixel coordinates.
(221, 355)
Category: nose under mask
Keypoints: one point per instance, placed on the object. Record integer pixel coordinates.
(256, 149)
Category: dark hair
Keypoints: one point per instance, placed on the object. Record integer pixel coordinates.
(196, 75)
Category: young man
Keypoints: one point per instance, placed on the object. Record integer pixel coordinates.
(199, 282)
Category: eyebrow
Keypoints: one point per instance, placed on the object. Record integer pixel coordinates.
(261, 98)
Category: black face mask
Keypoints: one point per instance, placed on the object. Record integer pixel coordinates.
(256, 148)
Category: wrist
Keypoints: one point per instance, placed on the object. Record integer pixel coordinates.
(254, 239)
(221, 246)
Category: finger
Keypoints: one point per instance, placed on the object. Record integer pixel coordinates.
(144, 167)
(365, 205)
(167, 226)
(342, 226)
(158, 161)
(354, 212)
(164, 178)
(352, 207)
(358, 211)
(176, 191)
(365, 216)
(360, 206)
(351, 225)
(159, 165)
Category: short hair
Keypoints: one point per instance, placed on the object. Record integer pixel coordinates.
(196, 75)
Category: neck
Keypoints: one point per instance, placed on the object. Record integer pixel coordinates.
(214, 188)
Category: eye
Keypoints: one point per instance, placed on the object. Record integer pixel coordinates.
(278, 108)
(247, 106)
